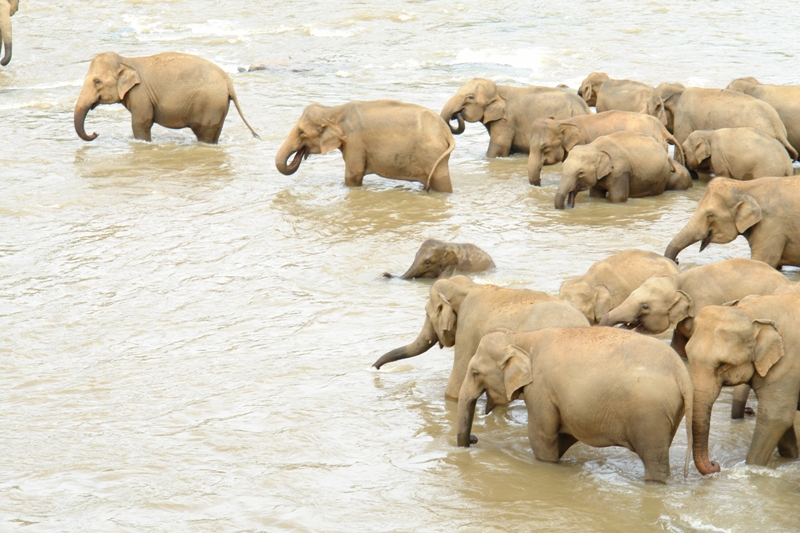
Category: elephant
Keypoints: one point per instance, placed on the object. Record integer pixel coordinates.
(605, 94)
(754, 342)
(438, 259)
(508, 112)
(765, 210)
(621, 165)
(784, 98)
(551, 140)
(695, 108)
(392, 139)
(599, 386)
(608, 282)
(459, 312)
(171, 89)
(736, 153)
(7, 10)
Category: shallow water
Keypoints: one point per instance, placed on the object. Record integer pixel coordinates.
(186, 334)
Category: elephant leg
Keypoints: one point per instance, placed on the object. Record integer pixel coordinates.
(656, 463)
(597, 192)
(621, 192)
(739, 401)
(543, 424)
(678, 343)
(775, 416)
(440, 180)
(141, 128)
(141, 119)
(767, 249)
(354, 172)
(500, 140)
(207, 133)
(650, 439)
(787, 446)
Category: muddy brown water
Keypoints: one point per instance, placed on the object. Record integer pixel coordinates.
(186, 335)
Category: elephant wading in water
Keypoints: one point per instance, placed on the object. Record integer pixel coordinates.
(173, 90)
(508, 112)
(784, 98)
(599, 386)
(437, 259)
(608, 282)
(766, 211)
(605, 94)
(755, 342)
(736, 153)
(7, 9)
(459, 312)
(392, 139)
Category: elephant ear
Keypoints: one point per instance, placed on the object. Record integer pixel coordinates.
(602, 301)
(768, 348)
(682, 307)
(587, 91)
(447, 317)
(702, 149)
(516, 369)
(495, 110)
(127, 78)
(747, 213)
(331, 136)
(604, 165)
(570, 136)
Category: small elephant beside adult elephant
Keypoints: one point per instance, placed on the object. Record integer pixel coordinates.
(439, 259)
(619, 166)
(784, 98)
(459, 312)
(765, 210)
(508, 112)
(599, 386)
(392, 139)
(607, 94)
(7, 10)
(171, 89)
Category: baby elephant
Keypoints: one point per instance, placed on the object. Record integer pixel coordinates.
(171, 89)
(736, 153)
(599, 386)
(437, 259)
(623, 165)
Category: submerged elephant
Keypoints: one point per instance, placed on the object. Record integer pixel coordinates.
(605, 94)
(736, 153)
(438, 259)
(7, 9)
(460, 311)
(508, 112)
(551, 140)
(599, 386)
(621, 165)
(608, 282)
(392, 139)
(784, 98)
(171, 89)
(755, 342)
(766, 211)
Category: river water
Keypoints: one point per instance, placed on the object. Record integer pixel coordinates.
(186, 334)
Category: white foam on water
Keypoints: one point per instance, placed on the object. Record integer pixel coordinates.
(528, 58)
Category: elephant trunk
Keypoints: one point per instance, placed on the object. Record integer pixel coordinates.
(622, 314)
(425, 340)
(82, 107)
(701, 421)
(535, 164)
(5, 31)
(691, 233)
(453, 110)
(566, 190)
(289, 147)
(466, 414)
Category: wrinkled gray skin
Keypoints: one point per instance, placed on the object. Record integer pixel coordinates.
(438, 259)
(599, 386)
(784, 98)
(694, 108)
(619, 166)
(766, 211)
(171, 89)
(736, 153)
(459, 312)
(755, 343)
(609, 281)
(605, 94)
(7, 9)
(508, 112)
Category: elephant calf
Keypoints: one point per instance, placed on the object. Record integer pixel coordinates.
(736, 153)
(437, 259)
(599, 386)
(605, 94)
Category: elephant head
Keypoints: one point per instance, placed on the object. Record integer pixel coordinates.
(108, 81)
(742, 85)
(433, 258)
(657, 305)
(584, 167)
(590, 86)
(7, 9)
(594, 301)
(551, 141)
(318, 131)
(476, 101)
(723, 213)
(655, 107)
(441, 319)
(500, 369)
(664, 100)
(697, 150)
(728, 347)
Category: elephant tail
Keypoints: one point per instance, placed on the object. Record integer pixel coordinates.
(451, 144)
(679, 157)
(232, 96)
(789, 148)
(687, 391)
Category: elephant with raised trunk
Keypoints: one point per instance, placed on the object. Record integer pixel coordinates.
(459, 312)
(757, 343)
(766, 211)
(438, 259)
(171, 89)
(599, 386)
(605, 94)
(7, 9)
(508, 112)
(784, 98)
(392, 139)
(736, 153)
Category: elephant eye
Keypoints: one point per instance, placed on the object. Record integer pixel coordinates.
(470, 97)
(474, 373)
(427, 262)
(645, 307)
(98, 83)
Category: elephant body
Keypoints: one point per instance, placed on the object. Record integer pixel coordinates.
(608, 282)
(736, 153)
(508, 112)
(621, 165)
(755, 342)
(599, 386)
(784, 98)
(392, 139)
(438, 259)
(7, 10)
(551, 140)
(605, 94)
(459, 312)
(171, 89)
(765, 210)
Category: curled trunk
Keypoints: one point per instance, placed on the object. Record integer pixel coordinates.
(690, 234)
(701, 422)
(566, 191)
(289, 147)
(80, 116)
(5, 30)
(453, 110)
(425, 340)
